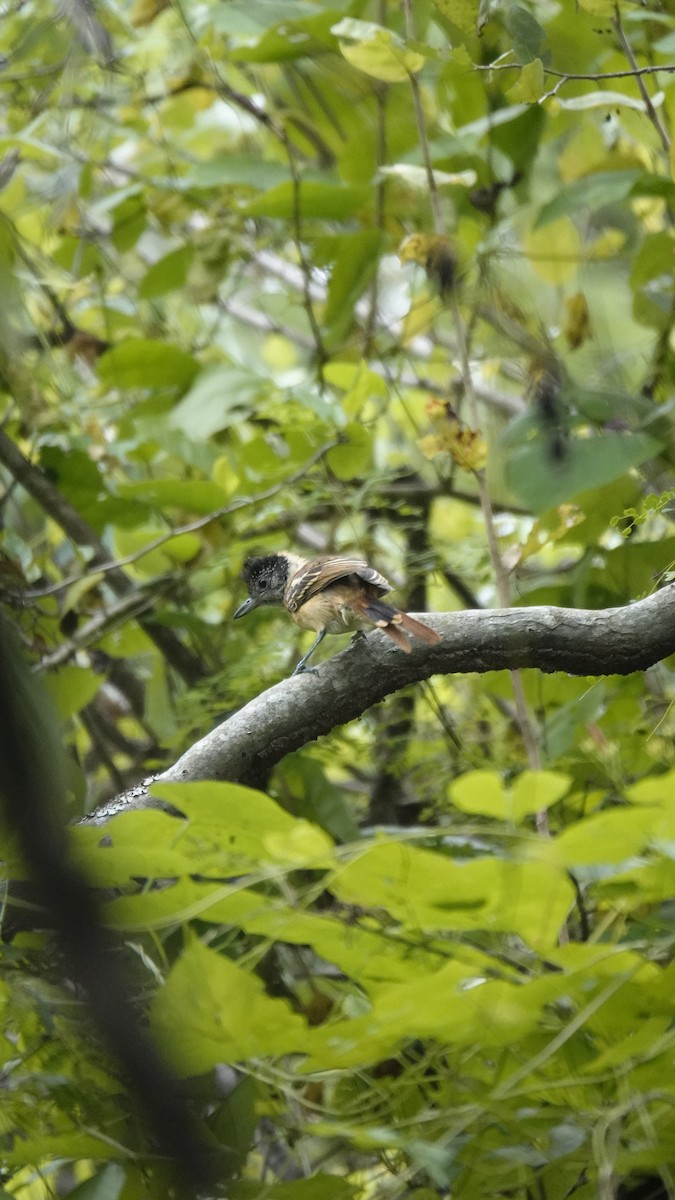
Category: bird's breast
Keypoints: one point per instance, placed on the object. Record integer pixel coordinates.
(329, 612)
(346, 621)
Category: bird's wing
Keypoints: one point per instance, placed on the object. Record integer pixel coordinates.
(314, 576)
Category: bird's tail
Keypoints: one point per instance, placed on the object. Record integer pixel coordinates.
(393, 622)
(419, 630)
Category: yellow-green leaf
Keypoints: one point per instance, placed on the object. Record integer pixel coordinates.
(230, 823)
(429, 891)
(483, 792)
(353, 456)
(212, 1011)
(613, 836)
(462, 13)
(529, 87)
(599, 8)
(554, 251)
(71, 689)
(376, 51)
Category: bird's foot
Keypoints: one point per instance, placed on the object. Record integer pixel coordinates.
(302, 670)
(358, 637)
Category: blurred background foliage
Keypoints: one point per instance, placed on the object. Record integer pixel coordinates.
(316, 275)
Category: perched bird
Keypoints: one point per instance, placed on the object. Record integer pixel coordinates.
(436, 254)
(330, 594)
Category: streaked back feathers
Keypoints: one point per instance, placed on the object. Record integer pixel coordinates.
(322, 573)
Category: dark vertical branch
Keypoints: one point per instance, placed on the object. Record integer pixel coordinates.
(32, 792)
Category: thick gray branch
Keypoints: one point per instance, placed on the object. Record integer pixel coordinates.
(613, 641)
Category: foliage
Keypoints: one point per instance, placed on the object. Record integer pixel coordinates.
(325, 276)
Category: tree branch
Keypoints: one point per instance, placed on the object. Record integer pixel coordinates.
(612, 641)
(103, 568)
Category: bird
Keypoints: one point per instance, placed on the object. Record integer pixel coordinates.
(330, 594)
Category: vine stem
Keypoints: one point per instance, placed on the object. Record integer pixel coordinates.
(651, 111)
(381, 96)
(525, 720)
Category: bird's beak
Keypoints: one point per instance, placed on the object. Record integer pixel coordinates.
(246, 607)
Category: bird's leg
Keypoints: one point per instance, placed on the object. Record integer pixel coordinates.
(358, 637)
(301, 669)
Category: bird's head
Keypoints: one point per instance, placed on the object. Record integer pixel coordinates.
(266, 578)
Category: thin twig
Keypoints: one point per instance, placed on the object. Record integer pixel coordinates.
(241, 100)
(102, 623)
(104, 568)
(321, 356)
(525, 721)
(564, 76)
(381, 93)
(226, 91)
(422, 127)
(651, 111)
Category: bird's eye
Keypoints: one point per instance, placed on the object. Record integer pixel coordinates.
(262, 584)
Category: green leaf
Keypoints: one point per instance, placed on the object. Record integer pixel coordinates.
(428, 891)
(529, 86)
(646, 883)
(565, 723)
(290, 40)
(241, 826)
(655, 185)
(606, 100)
(529, 39)
(238, 170)
(141, 845)
(463, 13)
(219, 397)
(360, 384)
(599, 8)
(180, 901)
(318, 1186)
(143, 363)
(592, 192)
(234, 1125)
(211, 1011)
(351, 458)
(167, 274)
(367, 956)
(354, 267)
(519, 136)
(650, 259)
(70, 1146)
(483, 792)
(417, 177)
(540, 484)
(376, 51)
(130, 219)
(317, 798)
(636, 565)
(192, 495)
(77, 477)
(659, 790)
(105, 1185)
(72, 688)
(349, 376)
(454, 1007)
(149, 563)
(331, 201)
(610, 837)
